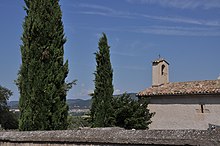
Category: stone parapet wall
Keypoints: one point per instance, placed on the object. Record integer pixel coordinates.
(110, 136)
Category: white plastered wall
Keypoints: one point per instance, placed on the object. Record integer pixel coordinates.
(180, 116)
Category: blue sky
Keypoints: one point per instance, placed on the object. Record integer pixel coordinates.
(184, 32)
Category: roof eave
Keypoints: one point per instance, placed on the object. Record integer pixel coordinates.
(176, 94)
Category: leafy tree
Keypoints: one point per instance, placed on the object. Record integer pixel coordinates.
(41, 79)
(8, 120)
(4, 96)
(129, 113)
(101, 109)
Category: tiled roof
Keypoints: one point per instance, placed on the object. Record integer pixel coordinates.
(184, 88)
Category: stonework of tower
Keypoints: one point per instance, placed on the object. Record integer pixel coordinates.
(160, 72)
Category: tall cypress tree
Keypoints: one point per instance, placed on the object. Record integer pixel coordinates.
(101, 110)
(41, 79)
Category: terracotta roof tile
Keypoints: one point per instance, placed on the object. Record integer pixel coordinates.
(183, 88)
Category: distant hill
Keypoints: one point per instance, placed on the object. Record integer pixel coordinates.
(73, 103)
(13, 104)
(79, 103)
(86, 104)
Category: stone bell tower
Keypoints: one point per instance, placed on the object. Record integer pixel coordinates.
(160, 72)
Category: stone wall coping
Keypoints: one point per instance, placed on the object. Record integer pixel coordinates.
(116, 136)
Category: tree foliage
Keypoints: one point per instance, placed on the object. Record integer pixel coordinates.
(131, 114)
(75, 122)
(101, 110)
(4, 96)
(8, 120)
(41, 79)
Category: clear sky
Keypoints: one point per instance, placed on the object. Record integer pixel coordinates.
(184, 32)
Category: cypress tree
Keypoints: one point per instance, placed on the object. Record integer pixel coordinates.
(101, 110)
(41, 78)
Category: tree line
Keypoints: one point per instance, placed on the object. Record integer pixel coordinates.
(41, 78)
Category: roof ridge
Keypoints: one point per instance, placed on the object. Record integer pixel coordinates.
(195, 81)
